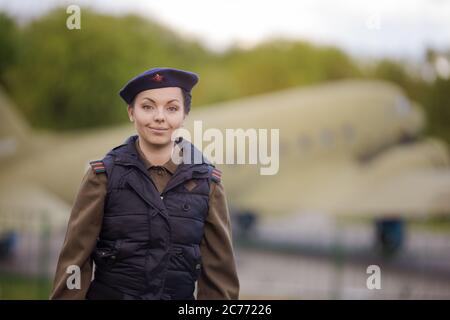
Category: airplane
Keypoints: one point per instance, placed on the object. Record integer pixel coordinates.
(348, 147)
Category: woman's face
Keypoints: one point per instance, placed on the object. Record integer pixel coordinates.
(157, 113)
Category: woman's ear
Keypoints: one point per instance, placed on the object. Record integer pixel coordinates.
(130, 113)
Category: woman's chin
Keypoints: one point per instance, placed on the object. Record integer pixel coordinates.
(158, 140)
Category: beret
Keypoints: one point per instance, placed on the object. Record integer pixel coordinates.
(158, 78)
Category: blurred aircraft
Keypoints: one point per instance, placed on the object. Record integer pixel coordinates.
(351, 147)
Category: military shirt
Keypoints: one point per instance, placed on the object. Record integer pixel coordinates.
(218, 279)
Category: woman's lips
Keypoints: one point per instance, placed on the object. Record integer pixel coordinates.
(158, 130)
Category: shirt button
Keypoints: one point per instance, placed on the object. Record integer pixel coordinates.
(160, 171)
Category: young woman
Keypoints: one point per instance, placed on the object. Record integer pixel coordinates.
(154, 228)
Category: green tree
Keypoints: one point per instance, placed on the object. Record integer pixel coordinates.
(68, 79)
(8, 45)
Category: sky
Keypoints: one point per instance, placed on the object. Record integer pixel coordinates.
(384, 28)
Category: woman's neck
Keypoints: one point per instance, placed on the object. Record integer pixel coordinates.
(156, 154)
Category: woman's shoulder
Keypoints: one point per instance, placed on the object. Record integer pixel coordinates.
(94, 179)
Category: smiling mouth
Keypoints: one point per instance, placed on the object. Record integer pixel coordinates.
(158, 129)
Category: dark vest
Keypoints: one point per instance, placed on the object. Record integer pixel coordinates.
(149, 244)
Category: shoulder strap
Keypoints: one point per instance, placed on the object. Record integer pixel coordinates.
(108, 162)
(105, 165)
(214, 173)
(98, 166)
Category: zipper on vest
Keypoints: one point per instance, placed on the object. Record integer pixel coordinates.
(145, 174)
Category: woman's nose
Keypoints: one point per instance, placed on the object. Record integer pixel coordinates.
(159, 116)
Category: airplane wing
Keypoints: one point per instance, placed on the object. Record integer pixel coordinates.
(407, 180)
(415, 193)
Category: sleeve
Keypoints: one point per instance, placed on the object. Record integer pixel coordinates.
(82, 231)
(218, 279)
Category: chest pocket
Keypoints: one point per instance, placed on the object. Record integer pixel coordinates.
(189, 200)
(129, 195)
(190, 185)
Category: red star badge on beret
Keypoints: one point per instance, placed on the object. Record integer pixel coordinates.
(158, 78)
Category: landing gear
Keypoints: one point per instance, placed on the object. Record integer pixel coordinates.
(244, 223)
(7, 242)
(390, 233)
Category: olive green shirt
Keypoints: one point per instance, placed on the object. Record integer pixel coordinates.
(218, 279)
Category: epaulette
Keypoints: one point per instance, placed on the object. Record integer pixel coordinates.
(98, 166)
(216, 175)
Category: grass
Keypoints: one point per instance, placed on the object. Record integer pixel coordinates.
(19, 287)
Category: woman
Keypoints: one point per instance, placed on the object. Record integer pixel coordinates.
(152, 227)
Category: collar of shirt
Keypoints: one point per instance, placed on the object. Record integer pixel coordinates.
(169, 165)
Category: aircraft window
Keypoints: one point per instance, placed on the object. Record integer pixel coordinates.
(305, 142)
(402, 106)
(326, 136)
(283, 147)
(349, 132)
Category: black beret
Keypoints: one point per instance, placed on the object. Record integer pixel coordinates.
(158, 78)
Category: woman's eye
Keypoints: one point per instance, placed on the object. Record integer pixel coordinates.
(173, 108)
(146, 107)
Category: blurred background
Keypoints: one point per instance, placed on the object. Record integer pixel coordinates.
(359, 91)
